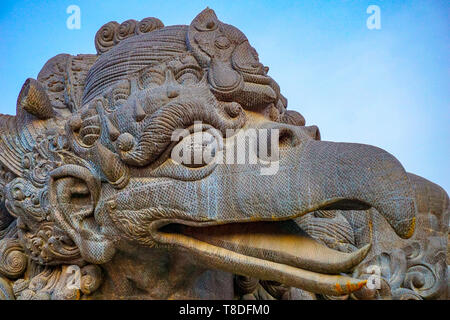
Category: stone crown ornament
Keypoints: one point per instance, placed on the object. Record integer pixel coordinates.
(94, 206)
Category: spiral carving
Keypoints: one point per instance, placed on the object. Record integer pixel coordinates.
(405, 294)
(13, 261)
(104, 38)
(40, 172)
(275, 289)
(246, 284)
(424, 280)
(148, 25)
(91, 278)
(125, 30)
(113, 33)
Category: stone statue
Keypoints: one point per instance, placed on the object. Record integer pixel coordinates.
(93, 204)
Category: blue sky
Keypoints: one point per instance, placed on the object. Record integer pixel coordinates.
(387, 87)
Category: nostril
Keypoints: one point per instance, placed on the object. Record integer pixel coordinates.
(287, 137)
(172, 92)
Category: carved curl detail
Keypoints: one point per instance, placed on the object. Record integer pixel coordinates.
(148, 25)
(125, 30)
(65, 282)
(104, 38)
(415, 272)
(13, 261)
(112, 33)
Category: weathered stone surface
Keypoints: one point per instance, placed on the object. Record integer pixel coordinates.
(93, 204)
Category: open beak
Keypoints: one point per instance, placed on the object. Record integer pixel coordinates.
(276, 251)
(242, 222)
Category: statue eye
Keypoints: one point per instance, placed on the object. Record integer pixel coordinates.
(188, 76)
(198, 149)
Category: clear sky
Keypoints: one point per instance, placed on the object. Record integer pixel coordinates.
(387, 87)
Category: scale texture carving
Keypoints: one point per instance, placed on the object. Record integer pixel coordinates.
(93, 206)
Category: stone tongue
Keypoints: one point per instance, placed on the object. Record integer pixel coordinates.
(282, 242)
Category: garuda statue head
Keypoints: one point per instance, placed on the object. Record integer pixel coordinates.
(97, 180)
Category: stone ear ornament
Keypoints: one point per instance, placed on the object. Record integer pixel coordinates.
(73, 195)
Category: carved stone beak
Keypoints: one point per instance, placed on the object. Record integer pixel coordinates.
(238, 220)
